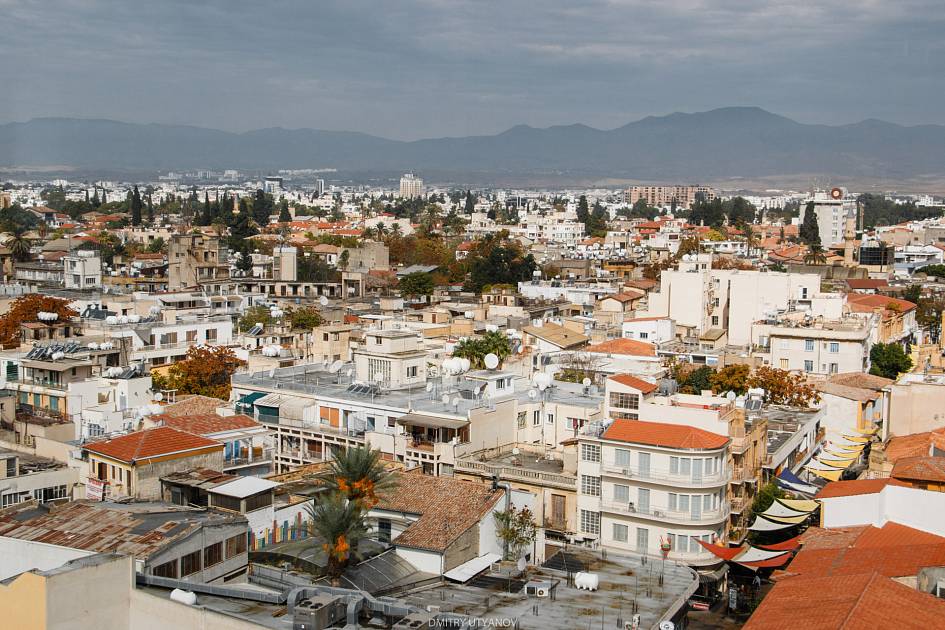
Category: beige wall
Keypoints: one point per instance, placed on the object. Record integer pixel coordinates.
(23, 602)
(152, 612)
(915, 408)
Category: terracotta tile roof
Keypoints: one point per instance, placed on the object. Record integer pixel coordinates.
(662, 434)
(892, 550)
(867, 600)
(915, 445)
(447, 507)
(557, 335)
(643, 283)
(861, 380)
(193, 405)
(138, 529)
(854, 487)
(626, 296)
(866, 283)
(868, 303)
(150, 443)
(624, 346)
(207, 424)
(920, 469)
(645, 387)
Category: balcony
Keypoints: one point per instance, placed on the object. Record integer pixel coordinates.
(259, 457)
(515, 473)
(659, 476)
(739, 445)
(665, 515)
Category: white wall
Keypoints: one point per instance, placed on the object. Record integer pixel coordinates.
(426, 561)
(893, 504)
(23, 555)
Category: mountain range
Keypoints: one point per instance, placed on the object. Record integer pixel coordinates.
(732, 142)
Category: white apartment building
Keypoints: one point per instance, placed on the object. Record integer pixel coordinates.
(699, 298)
(646, 486)
(817, 346)
(82, 270)
(650, 329)
(411, 186)
(832, 209)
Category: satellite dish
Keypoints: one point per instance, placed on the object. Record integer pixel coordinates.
(429, 387)
(667, 625)
(521, 564)
(335, 366)
(515, 451)
(159, 397)
(731, 396)
(586, 382)
(323, 300)
(469, 314)
(533, 394)
(491, 361)
(445, 399)
(455, 400)
(272, 372)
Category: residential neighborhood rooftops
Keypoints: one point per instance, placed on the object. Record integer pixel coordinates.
(920, 469)
(645, 387)
(624, 346)
(207, 424)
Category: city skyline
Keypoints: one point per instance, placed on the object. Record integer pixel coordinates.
(431, 69)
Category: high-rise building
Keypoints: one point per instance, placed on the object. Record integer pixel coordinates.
(272, 185)
(659, 196)
(411, 186)
(320, 187)
(832, 210)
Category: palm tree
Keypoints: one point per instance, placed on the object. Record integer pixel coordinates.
(18, 244)
(475, 350)
(497, 343)
(815, 255)
(340, 524)
(359, 475)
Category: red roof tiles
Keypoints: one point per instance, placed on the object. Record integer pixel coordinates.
(208, 423)
(662, 434)
(854, 487)
(920, 469)
(150, 443)
(624, 346)
(639, 384)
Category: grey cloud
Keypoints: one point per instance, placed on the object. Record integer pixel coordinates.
(422, 68)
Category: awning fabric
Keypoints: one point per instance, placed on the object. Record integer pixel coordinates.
(800, 505)
(836, 463)
(764, 525)
(794, 520)
(754, 554)
(713, 576)
(818, 465)
(798, 488)
(839, 454)
(432, 422)
(726, 553)
(787, 545)
(790, 477)
(468, 570)
(776, 561)
(830, 475)
(777, 510)
(859, 439)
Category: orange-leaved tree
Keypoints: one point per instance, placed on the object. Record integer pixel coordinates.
(25, 309)
(206, 371)
(783, 387)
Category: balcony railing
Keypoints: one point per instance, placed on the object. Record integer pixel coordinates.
(263, 457)
(658, 476)
(525, 475)
(664, 514)
(739, 445)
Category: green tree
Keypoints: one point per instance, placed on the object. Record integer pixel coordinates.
(815, 254)
(340, 524)
(255, 315)
(359, 474)
(136, 206)
(284, 216)
(262, 207)
(156, 246)
(516, 529)
(476, 348)
(783, 387)
(731, 378)
(18, 244)
(889, 360)
(469, 206)
(809, 232)
(305, 318)
(416, 284)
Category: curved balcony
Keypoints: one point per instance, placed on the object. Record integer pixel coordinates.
(665, 515)
(658, 476)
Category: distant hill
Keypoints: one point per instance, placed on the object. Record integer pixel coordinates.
(722, 143)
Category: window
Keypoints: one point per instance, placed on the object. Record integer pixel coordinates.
(808, 345)
(808, 366)
(621, 494)
(226, 503)
(213, 554)
(643, 535)
(785, 344)
(715, 320)
(211, 334)
(522, 415)
(258, 501)
(377, 341)
(536, 417)
(11, 467)
(190, 564)
(643, 465)
(622, 458)
(550, 418)
(590, 485)
(643, 499)
(620, 532)
(168, 570)
(379, 368)
(834, 368)
(590, 452)
(834, 347)
(235, 545)
(412, 371)
(623, 415)
(383, 530)
(624, 400)
(673, 501)
(191, 335)
(684, 503)
(590, 522)
(644, 335)
(784, 364)
(500, 384)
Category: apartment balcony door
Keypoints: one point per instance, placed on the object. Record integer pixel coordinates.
(558, 509)
(643, 535)
(643, 500)
(697, 470)
(644, 465)
(696, 508)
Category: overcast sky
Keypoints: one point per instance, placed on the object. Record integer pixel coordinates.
(426, 68)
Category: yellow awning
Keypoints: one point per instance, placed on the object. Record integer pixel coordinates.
(838, 454)
(872, 431)
(862, 439)
(836, 463)
(848, 448)
(830, 475)
(800, 505)
(794, 520)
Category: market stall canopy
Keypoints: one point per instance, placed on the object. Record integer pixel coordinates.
(800, 505)
(787, 545)
(764, 525)
(829, 475)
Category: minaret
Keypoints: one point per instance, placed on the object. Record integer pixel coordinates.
(849, 235)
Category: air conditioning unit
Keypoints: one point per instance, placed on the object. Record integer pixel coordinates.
(658, 513)
(627, 472)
